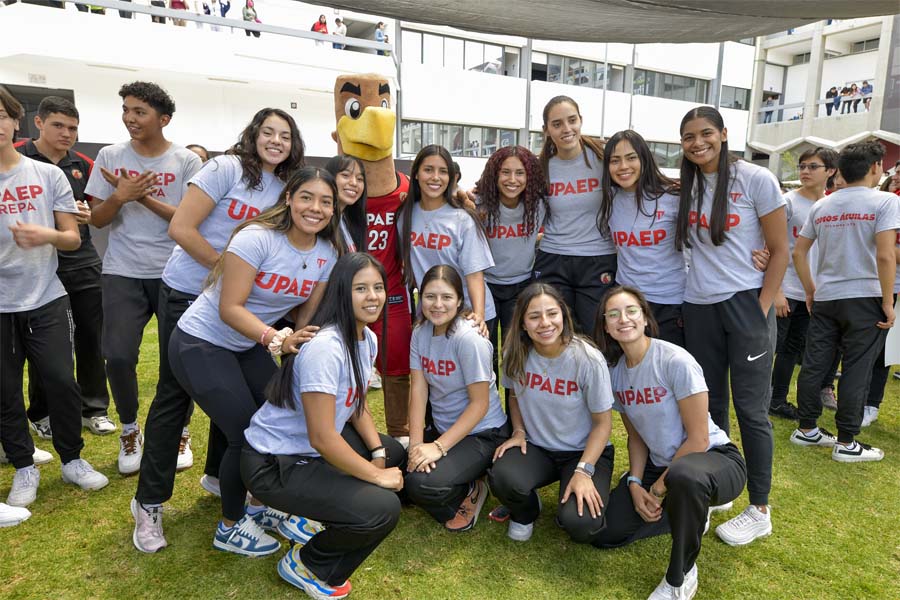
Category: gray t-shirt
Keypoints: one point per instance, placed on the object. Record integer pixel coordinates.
(718, 272)
(512, 246)
(281, 284)
(451, 364)
(844, 225)
(558, 396)
(139, 242)
(222, 179)
(322, 365)
(649, 393)
(574, 199)
(645, 240)
(450, 236)
(798, 210)
(30, 192)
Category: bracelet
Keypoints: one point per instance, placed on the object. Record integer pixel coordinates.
(583, 472)
(525, 433)
(262, 338)
(632, 479)
(379, 452)
(440, 447)
(278, 340)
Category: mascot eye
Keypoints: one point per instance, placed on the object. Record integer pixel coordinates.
(352, 108)
(385, 104)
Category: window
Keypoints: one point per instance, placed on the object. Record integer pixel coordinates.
(734, 97)
(667, 85)
(412, 46)
(535, 141)
(576, 71)
(668, 156)
(30, 97)
(456, 53)
(453, 53)
(864, 46)
(800, 59)
(460, 140)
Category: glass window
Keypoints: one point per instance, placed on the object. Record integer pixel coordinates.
(733, 97)
(429, 134)
(433, 50)
(554, 68)
(535, 141)
(473, 141)
(455, 140)
(579, 72)
(474, 55)
(508, 137)
(491, 141)
(493, 59)
(616, 76)
(453, 53)
(410, 137)
(412, 46)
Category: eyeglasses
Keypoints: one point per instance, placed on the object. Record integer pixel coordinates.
(809, 167)
(632, 312)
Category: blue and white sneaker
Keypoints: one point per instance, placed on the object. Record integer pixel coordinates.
(269, 519)
(292, 570)
(245, 538)
(299, 529)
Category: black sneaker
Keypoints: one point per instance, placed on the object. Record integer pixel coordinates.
(785, 410)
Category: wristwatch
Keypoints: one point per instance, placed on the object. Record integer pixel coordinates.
(586, 467)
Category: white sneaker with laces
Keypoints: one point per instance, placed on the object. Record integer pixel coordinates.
(721, 507)
(42, 428)
(746, 527)
(686, 591)
(10, 516)
(131, 449)
(148, 531)
(211, 485)
(185, 454)
(856, 452)
(520, 532)
(245, 538)
(40, 457)
(820, 438)
(24, 487)
(80, 472)
(870, 415)
(101, 425)
(375, 381)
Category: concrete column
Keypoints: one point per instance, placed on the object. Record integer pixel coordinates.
(525, 72)
(775, 164)
(874, 120)
(756, 94)
(813, 79)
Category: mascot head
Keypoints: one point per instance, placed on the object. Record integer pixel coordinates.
(365, 121)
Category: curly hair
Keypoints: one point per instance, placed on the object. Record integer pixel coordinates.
(532, 196)
(150, 93)
(251, 163)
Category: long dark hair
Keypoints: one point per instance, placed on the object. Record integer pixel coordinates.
(549, 150)
(611, 348)
(278, 217)
(415, 196)
(451, 277)
(651, 183)
(693, 185)
(532, 197)
(251, 163)
(355, 214)
(336, 308)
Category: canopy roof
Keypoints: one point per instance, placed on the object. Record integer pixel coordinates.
(629, 21)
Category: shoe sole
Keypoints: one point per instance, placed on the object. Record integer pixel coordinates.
(129, 473)
(134, 538)
(289, 577)
(44, 461)
(482, 498)
(737, 544)
(210, 489)
(287, 533)
(223, 547)
(91, 488)
(854, 459)
(13, 523)
(22, 504)
(179, 469)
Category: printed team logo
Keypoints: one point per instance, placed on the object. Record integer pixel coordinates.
(77, 174)
(735, 196)
(606, 278)
(322, 261)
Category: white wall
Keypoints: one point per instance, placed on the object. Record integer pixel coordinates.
(737, 65)
(736, 121)
(774, 78)
(693, 60)
(795, 89)
(853, 68)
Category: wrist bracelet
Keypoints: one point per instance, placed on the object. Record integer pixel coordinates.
(525, 433)
(277, 341)
(632, 479)
(440, 447)
(379, 452)
(583, 472)
(262, 338)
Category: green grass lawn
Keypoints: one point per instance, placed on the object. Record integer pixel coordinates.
(836, 535)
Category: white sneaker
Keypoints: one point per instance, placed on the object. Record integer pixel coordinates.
(148, 532)
(10, 516)
(101, 425)
(81, 473)
(856, 452)
(520, 532)
(131, 449)
(375, 381)
(685, 591)
(870, 415)
(746, 527)
(721, 507)
(42, 428)
(211, 485)
(403, 440)
(245, 538)
(24, 487)
(185, 454)
(40, 457)
(820, 438)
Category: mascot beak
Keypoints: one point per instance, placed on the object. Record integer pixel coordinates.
(371, 136)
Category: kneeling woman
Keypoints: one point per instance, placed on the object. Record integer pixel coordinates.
(450, 367)
(559, 405)
(313, 449)
(680, 462)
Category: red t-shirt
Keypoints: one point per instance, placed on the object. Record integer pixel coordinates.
(381, 217)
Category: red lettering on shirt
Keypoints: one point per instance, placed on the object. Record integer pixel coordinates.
(582, 186)
(647, 395)
(351, 397)
(17, 208)
(506, 231)
(795, 231)
(432, 241)
(438, 367)
(551, 385)
(239, 211)
(846, 217)
(732, 220)
(21, 193)
(280, 284)
(735, 196)
(647, 237)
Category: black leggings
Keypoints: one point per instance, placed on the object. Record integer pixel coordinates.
(694, 482)
(516, 477)
(357, 515)
(229, 386)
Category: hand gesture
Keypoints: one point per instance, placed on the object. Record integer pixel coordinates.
(291, 343)
(31, 235)
(646, 504)
(83, 217)
(516, 441)
(390, 479)
(585, 492)
(423, 457)
(130, 188)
